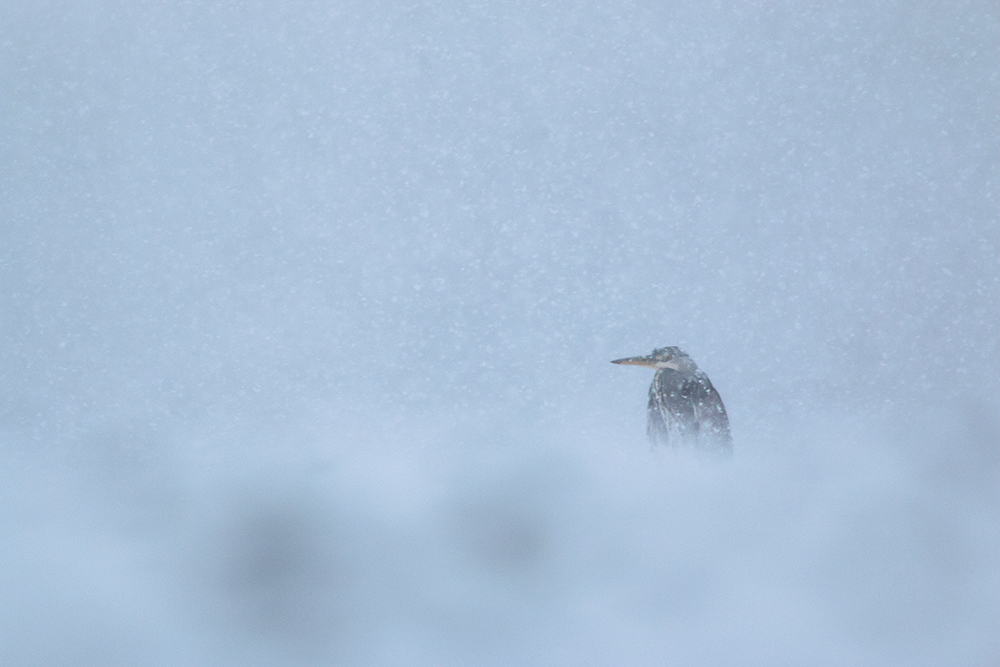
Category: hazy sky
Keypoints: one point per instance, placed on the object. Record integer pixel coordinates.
(403, 240)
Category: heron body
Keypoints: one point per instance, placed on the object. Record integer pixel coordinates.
(684, 408)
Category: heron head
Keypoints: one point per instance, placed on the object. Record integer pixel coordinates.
(664, 357)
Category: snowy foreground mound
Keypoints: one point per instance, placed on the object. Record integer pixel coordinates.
(339, 546)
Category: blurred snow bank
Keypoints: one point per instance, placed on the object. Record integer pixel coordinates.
(841, 543)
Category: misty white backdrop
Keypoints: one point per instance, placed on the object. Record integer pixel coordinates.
(306, 310)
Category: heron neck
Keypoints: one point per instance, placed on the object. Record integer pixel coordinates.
(668, 376)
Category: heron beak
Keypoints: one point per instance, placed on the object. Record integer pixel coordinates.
(635, 361)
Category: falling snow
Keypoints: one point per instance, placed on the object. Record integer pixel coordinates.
(307, 310)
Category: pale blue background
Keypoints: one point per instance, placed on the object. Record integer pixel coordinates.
(306, 311)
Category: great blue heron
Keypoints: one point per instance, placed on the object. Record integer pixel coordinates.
(684, 408)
